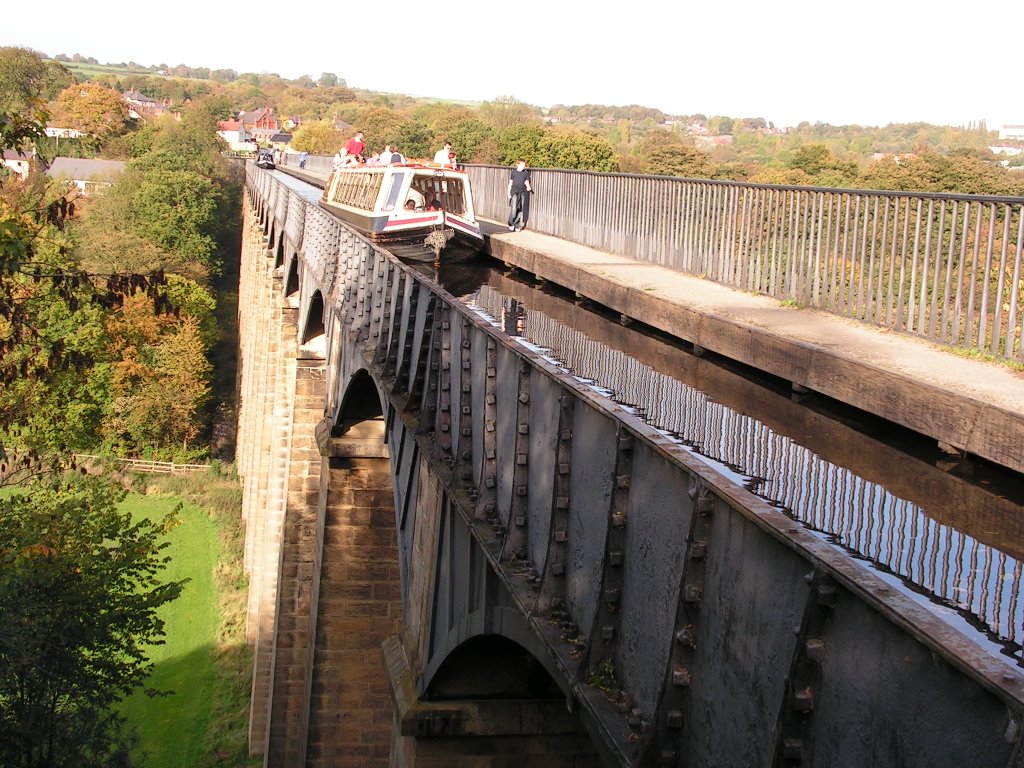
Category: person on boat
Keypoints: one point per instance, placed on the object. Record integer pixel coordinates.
(397, 158)
(385, 156)
(431, 203)
(354, 149)
(416, 198)
(339, 159)
(441, 156)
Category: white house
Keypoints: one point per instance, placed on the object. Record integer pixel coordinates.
(17, 162)
(87, 175)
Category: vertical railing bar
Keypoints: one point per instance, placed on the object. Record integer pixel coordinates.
(972, 285)
(947, 293)
(987, 278)
(997, 310)
(766, 240)
(842, 297)
(937, 271)
(862, 252)
(869, 281)
(958, 308)
(835, 255)
(741, 239)
(1011, 328)
(803, 248)
(821, 227)
(826, 249)
(881, 295)
(777, 218)
(922, 297)
(912, 296)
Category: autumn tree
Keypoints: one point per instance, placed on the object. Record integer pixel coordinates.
(666, 155)
(506, 113)
(576, 150)
(99, 113)
(822, 167)
(521, 142)
(160, 383)
(474, 141)
(962, 171)
(319, 137)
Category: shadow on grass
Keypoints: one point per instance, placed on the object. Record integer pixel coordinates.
(204, 720)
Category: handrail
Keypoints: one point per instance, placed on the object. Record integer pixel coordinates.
(944, 267)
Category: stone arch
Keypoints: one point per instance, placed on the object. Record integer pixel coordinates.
(291, 281)
(492, 703)
(492, 666)
(313, 338)
(278, 247)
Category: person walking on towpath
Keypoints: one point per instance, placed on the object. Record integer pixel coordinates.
(519, 190)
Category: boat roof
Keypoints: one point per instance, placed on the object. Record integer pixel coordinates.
(414, 165)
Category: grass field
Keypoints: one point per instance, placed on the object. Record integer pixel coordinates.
(172, 728)
(204, 660)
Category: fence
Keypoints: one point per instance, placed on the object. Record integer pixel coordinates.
(145, 465)
(944, 267)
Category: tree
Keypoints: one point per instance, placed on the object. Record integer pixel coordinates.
(25, 78)
(318, 137)
(577, 150)
(100, 113)
(521, 142)
(79, 595)
(666, 155)
(506, 113)
(822, 167)
(328, 80)
(474, 141)
(720, 125)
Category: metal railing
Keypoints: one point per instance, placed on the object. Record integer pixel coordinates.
(943, 267)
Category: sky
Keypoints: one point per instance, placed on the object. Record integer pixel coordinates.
(873, 62)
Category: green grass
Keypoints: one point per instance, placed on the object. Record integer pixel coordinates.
(205, 659)
(172, 728)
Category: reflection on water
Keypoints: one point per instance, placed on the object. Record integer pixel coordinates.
(935, 553)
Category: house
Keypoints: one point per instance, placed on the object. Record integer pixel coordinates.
(63, 133)
(141, 105)
(139, 100)
(280, 140)
(235, 134)
(17, 162)
(1013, 132)
(87, 175)
(263, 118)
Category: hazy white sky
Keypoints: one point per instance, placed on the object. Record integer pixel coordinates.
(872, 62)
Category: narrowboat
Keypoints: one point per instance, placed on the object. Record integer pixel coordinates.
(265, 159)
(407, 203)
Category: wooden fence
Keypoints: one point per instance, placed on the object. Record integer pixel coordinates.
(943, 267)
(145, 465)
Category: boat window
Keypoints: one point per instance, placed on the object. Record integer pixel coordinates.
(396, 188)
(357, 189)
(447, 191)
